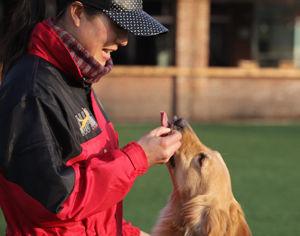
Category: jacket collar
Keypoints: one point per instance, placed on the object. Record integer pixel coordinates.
(45, 43)
(62, 50)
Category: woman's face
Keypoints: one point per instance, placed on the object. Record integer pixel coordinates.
(98, 34)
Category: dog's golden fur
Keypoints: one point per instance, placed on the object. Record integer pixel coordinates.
(202, 203)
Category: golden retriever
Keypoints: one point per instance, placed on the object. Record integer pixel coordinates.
(202, 202)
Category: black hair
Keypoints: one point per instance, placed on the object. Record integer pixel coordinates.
(19, 19)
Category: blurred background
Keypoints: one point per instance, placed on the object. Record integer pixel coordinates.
(230, 67)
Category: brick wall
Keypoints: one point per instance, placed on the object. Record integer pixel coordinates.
(141, 99)
(135, 99)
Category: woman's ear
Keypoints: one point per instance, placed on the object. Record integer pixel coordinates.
(239, 226)
(76, 10)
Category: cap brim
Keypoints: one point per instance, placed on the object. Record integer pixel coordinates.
(137, 22)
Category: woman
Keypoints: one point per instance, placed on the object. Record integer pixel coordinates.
(62, 172)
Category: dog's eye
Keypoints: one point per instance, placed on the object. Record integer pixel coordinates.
(202, 157)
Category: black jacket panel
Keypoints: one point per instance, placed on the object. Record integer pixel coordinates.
(41, 125)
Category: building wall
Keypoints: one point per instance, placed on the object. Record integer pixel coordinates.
(141, 99)
(237, 99)
(135, 99)
(192, 33)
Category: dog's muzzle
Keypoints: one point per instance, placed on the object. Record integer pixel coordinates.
(177, 124)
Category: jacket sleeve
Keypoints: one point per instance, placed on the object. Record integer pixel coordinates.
(103, 181)
(34, 156)
(130, 230)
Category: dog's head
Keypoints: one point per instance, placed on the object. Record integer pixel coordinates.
(202, 184)
(195, 168)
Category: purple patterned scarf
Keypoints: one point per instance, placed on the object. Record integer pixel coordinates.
(90, 68)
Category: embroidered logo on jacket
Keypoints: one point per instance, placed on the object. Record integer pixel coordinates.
(86, 122)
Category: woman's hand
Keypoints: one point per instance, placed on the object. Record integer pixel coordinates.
(144, 234)
(160, 144)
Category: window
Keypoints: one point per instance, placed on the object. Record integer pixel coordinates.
(275, 28)
(157, 50)
(264, 32)
(231, 31)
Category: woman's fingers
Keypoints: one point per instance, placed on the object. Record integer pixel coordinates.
(170, 145)
(160, 144)
(164, 119)
(172, 137)
(160, 131)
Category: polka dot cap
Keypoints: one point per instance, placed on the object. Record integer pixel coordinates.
(129, 15)
(128, 5)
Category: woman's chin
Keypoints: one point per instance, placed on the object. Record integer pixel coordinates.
(100, 60)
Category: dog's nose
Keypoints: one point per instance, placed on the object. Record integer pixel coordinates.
(179, 122)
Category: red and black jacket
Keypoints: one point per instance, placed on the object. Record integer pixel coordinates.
(61, 170)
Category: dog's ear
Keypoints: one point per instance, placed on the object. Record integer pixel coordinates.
(214, 222)
(239, 226)
(202, 218)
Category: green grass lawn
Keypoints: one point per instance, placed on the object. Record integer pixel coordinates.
(264, 163)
